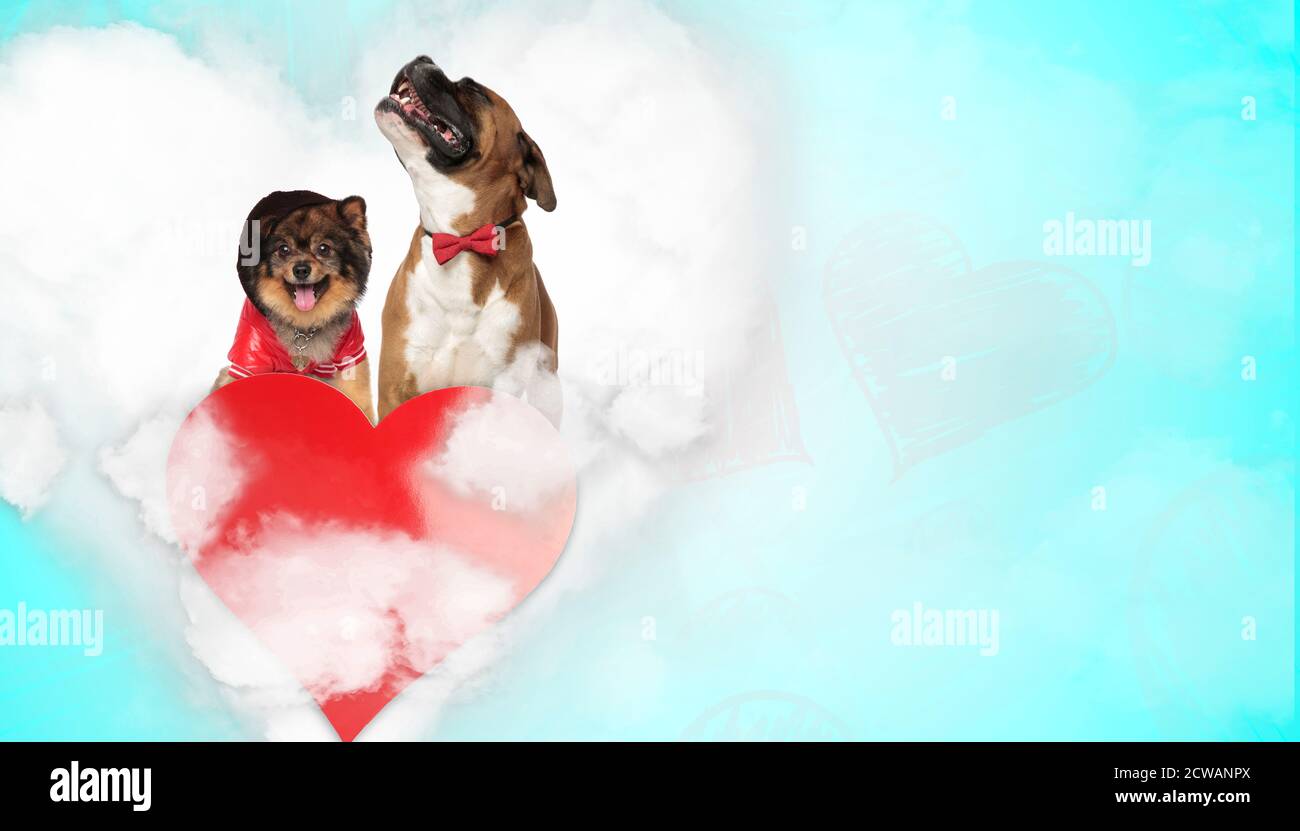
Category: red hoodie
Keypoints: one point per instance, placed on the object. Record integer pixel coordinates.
(258, 351)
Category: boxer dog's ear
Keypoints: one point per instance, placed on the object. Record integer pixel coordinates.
(535, 177)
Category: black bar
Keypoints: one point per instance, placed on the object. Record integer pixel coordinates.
(212, 781)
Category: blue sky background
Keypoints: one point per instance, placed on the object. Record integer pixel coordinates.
(737, 611)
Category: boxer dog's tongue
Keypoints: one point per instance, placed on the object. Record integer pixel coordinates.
(304, 297)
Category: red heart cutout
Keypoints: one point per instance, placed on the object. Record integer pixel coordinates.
(944, 351)
(362, 556)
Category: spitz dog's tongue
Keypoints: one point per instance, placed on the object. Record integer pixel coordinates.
(304, 297)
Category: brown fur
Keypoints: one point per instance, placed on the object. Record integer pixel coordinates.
(396, 384)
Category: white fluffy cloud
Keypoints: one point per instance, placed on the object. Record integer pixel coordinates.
(506, 453)
(649, 253)
(30, 455)
(342, 607)
(138, 468)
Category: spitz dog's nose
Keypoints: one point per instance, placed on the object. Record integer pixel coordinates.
(301, 271)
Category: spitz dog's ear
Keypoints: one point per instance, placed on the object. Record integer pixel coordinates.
(353, 211)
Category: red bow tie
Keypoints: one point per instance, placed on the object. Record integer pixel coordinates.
(483, 240)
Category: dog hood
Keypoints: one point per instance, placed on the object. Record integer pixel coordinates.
(277, 205)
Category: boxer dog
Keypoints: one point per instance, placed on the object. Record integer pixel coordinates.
(467, 306)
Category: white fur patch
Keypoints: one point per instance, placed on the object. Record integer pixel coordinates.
(451, 341)
(441, 199)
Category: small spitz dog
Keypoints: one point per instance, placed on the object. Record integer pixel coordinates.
(304, 261)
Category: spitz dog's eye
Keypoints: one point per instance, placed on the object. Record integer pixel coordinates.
(323, 249)
(283, 250)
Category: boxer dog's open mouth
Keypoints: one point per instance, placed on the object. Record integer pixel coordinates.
(426, 101)
(412, 106)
